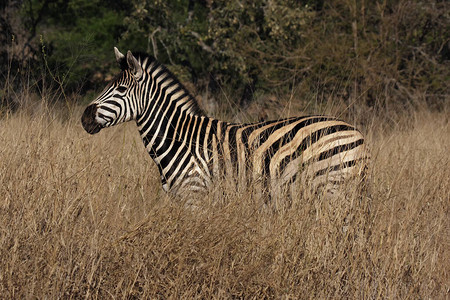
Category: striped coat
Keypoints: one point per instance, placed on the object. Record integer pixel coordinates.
(193, 151)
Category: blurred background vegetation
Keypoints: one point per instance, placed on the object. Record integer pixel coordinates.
(370, 53)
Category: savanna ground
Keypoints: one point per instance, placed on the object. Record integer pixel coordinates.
(85, 216)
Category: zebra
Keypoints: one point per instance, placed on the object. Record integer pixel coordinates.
(193, 151)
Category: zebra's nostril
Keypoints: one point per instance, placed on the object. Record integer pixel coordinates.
(88, 120)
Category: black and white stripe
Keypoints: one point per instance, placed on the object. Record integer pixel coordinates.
(193, 151)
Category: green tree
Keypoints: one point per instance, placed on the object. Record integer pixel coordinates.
(223, 42)
(352, 50)
(78, 37)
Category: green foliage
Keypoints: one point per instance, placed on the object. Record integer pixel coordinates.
(257, 38)
(78, 37)
(233, 43)
(164, 29)
(366, 51)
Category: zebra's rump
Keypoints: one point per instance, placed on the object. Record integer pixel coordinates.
(277, 153)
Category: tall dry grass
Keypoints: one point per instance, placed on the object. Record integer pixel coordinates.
(85, 216)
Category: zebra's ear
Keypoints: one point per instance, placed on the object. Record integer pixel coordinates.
(119, 56)
(134, 65)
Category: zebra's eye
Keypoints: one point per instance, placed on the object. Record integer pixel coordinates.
(121, 89)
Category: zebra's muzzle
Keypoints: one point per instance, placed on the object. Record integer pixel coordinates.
(88, 120)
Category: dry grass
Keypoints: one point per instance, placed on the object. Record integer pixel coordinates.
(85, 216)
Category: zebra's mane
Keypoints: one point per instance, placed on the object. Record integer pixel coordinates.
(152, 62)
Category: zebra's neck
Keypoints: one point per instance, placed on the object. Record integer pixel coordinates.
(160, 87)
(168, 116)
(164, 100)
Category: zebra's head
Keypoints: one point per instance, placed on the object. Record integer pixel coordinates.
(118, 101)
